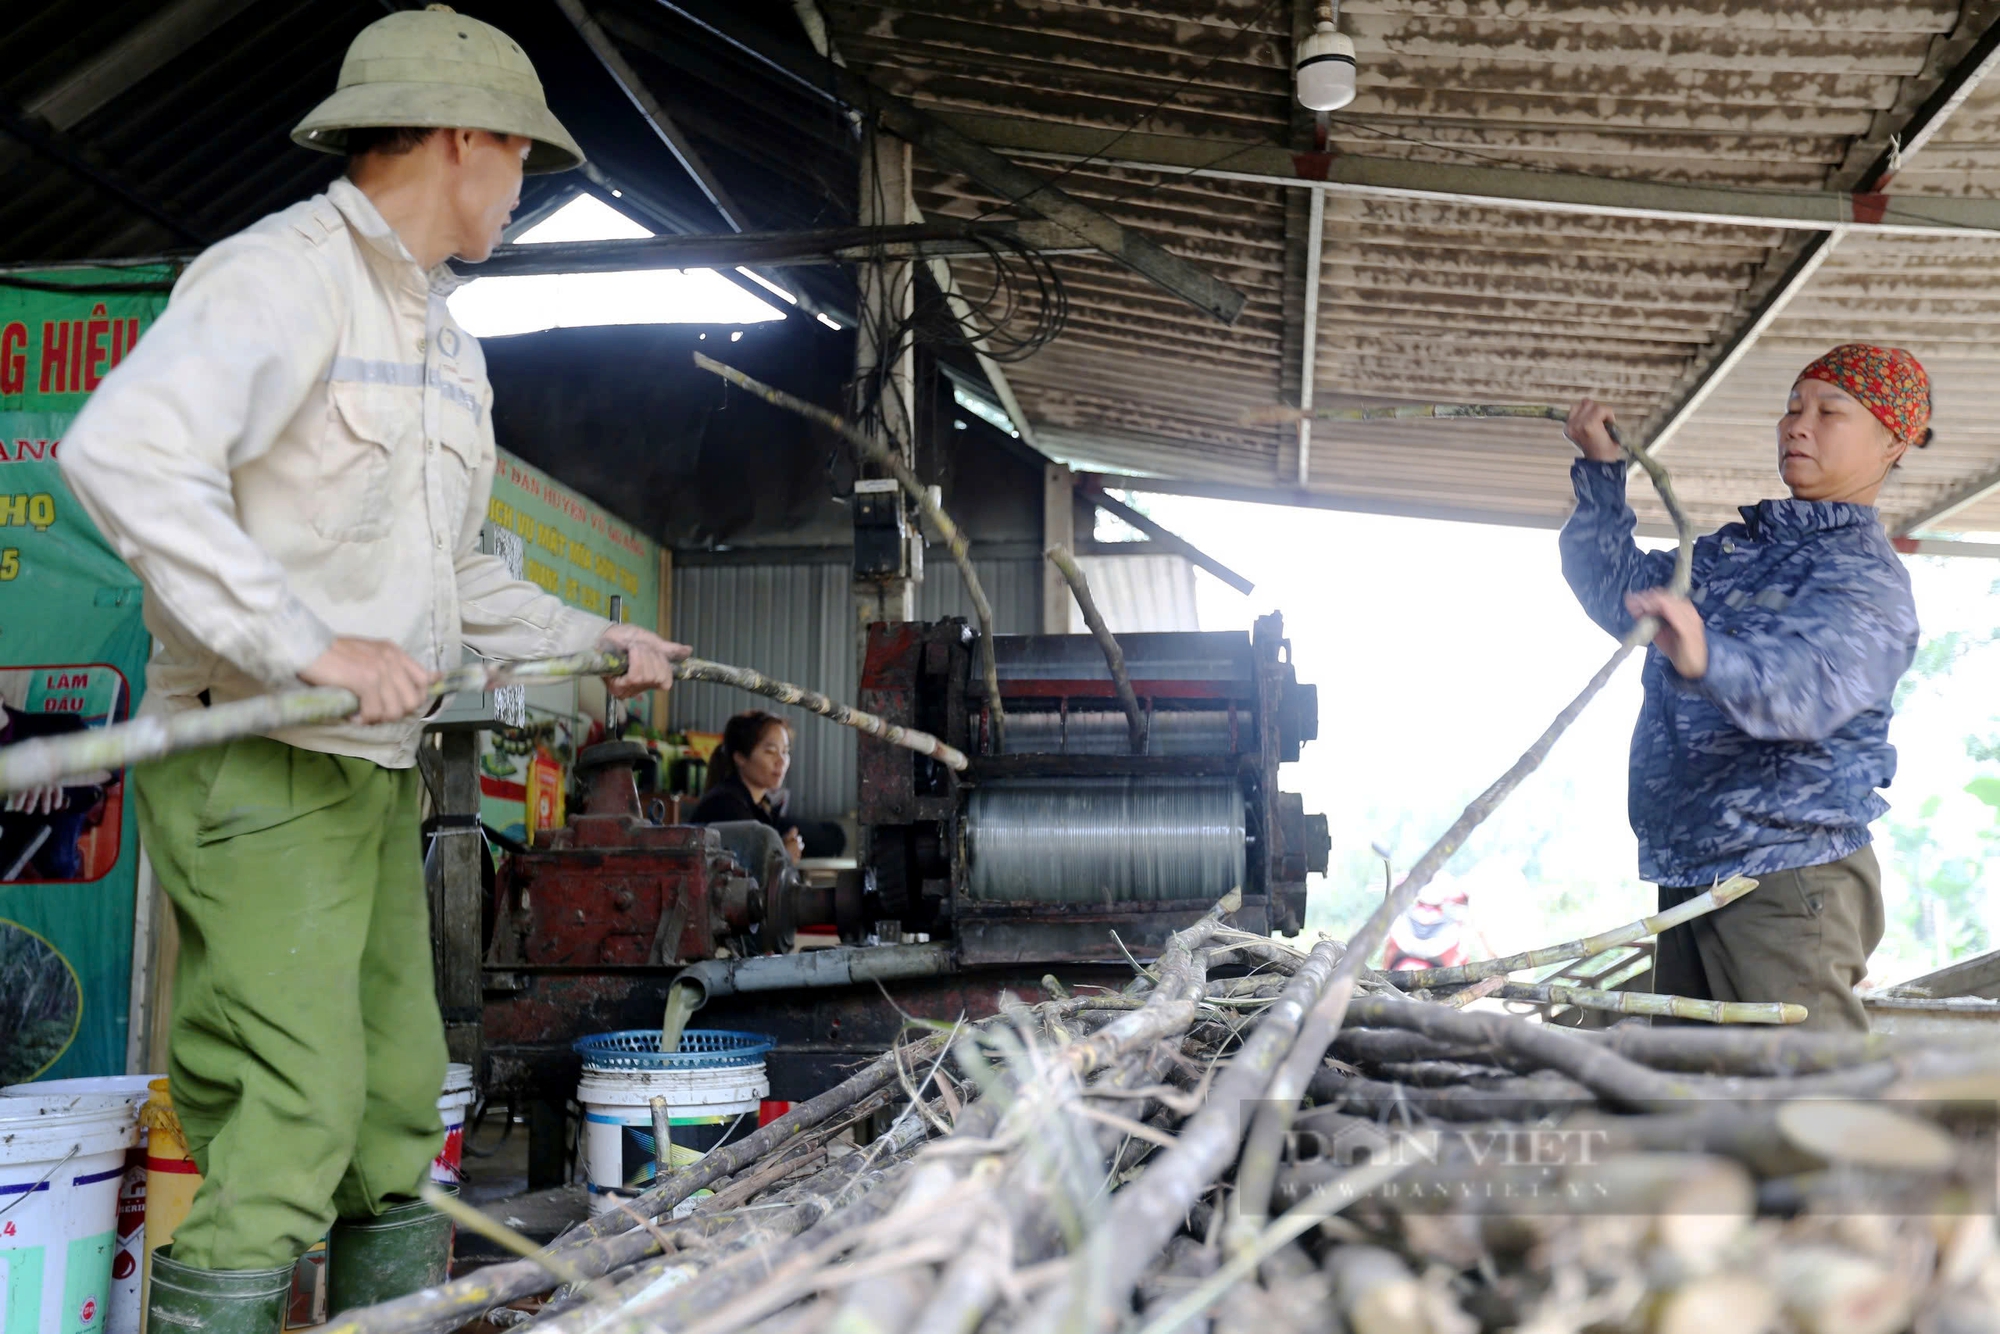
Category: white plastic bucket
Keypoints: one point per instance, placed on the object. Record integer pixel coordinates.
(62, 1160)
(128, 1264)
(712, 1099)
(453, 1106)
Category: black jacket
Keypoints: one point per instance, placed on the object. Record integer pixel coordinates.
(730, 800)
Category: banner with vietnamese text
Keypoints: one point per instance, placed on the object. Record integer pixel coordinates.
(72, 656)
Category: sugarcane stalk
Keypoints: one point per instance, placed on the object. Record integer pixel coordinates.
(1708, 901)
(879, 454)
(1615, 1079)
(1779, 1052)
(1148, 1211)
(1647, 1002)
(46, 761)
(1510, 1098)
(743, 678)
(1300, 1219)
(1169, 1010)
(1114, 656)
(613, 1240)
(1286, 416)
(687, 1286)
(1479, 990)
(1782, 1052)
(1260, 1157)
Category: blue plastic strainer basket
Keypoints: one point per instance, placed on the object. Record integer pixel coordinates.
(701, 1049)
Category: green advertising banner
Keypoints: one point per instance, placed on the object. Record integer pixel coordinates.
(551, 536)
(72, 655)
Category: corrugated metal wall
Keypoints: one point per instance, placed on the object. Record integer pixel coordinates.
(1013, 589)
(792, 621)
(1138, 594)
(789, 621)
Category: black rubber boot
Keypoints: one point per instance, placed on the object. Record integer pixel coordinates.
(183, 1299)
(405, 1248)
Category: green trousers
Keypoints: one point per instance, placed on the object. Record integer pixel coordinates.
(1801, 936)
(307, 1051)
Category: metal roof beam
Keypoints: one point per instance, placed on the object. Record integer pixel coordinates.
(1923, 546)
(58, 148)
(1501, 187)
(1963, 498)
(140, 52)
(1305, 234)
(1309, 328)
(653, 113)
(1301, 498)
(1091, 487)
(88, 87)
(1713, 365)
(1013, 183)
(815, 27)
(831, 245)
(1956, 64)
(1946, 92)
(1026, 190)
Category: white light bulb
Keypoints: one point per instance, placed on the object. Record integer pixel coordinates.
(1325, 69)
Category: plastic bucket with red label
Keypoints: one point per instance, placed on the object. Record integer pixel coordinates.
(121, 1314)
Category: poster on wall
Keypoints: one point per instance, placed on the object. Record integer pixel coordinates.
(553, 537)
(72, 656)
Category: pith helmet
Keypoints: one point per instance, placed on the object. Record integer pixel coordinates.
(436, 68)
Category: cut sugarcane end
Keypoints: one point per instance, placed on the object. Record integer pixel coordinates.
(1733, 889)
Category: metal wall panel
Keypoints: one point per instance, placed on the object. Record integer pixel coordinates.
(794, 621)
(1137, 594)
(1013, 589)
(791, 621)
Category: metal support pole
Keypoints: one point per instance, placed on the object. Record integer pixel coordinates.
(1315, 234)
(884, 354)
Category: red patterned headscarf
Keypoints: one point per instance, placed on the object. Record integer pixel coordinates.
(1888, 381)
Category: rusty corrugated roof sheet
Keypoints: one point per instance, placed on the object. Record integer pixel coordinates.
(1430, 300)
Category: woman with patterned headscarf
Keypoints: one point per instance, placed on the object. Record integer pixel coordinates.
(1765, 729)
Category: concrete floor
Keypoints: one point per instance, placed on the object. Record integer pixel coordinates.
(498, 1185)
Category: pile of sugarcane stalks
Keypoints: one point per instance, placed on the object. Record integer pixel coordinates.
(1083, 1164)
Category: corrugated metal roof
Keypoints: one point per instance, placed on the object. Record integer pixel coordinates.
(1938, 297)
(1418, 299)
(1423, 300)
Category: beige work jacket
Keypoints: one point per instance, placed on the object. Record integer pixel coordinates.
(302, 448)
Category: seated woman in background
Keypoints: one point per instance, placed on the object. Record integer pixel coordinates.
(746, 776)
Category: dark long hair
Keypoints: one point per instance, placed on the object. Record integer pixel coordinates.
(740, 736)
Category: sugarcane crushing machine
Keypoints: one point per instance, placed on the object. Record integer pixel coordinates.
(1059, 835)
(1058, 845)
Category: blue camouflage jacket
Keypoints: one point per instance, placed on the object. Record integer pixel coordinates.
(1769, 762)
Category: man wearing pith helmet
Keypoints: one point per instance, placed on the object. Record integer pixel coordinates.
(296, 460)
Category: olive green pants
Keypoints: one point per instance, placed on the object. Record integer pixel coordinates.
(307, 1051)
(1802, 936)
